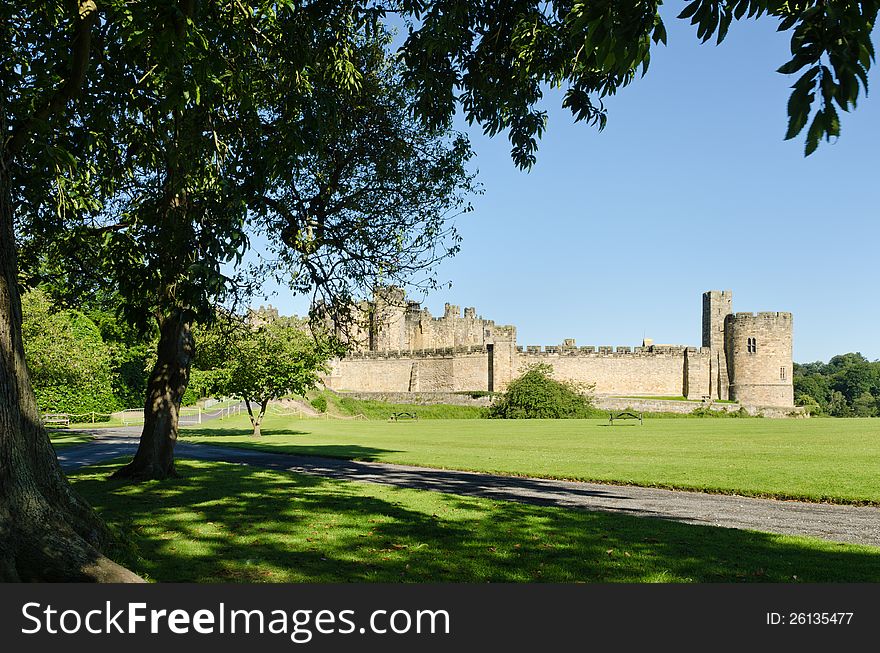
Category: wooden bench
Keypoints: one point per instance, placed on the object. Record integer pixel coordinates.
(396, 417)
(624, 415)
(61, 419)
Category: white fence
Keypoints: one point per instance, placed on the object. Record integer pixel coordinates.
(188, 416)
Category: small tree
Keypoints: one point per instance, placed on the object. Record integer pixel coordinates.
(266, 363)
(535, 395)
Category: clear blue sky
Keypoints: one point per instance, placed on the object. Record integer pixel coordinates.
(613, 236)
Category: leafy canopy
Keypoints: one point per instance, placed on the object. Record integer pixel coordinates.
(847, 386)
(265, 363)
(494, 58)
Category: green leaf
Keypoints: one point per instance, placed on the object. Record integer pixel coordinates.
(723, 26)
(690, 10)
(814, 134)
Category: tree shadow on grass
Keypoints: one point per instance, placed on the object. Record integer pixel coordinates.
(235, 523)
(263, 446)
(239, 430)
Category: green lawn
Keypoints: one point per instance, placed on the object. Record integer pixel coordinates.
(232, 523)
(815, 459)
(61, 439)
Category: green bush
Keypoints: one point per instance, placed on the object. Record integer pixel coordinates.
(69, 363)
(535, 395)
(811, 405)
(319, 403)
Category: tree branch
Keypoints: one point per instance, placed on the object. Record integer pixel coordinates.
(87, 15)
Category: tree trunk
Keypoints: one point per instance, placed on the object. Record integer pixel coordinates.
(165, 388)
(47, 531)
(255, 421)
(259, 421)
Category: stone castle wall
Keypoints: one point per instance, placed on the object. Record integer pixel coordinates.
(667, 372)
(627, 370)
(442, 370)
(404, 349)
(761, 348)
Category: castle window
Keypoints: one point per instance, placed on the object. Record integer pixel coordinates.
(752, 345)
(782, 374)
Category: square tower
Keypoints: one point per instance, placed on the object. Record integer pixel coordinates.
(717, 305)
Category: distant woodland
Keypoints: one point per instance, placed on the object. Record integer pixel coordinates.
(846, 386)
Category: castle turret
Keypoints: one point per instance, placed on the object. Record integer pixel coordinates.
(760, 348)
(717, 305)
(388, 320)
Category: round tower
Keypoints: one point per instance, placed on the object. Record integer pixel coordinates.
(759, 348)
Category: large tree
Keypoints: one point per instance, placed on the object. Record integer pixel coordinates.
(315, 141)
(47, 532)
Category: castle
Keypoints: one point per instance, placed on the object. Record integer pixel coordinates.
(398, 346)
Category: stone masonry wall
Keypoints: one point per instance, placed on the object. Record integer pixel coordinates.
(760, 346)
(717, 305)
(647, 373)
(697, 372)
(408, 350)
(624, 371)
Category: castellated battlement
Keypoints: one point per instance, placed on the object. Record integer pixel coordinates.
(402, 348)
(607, 350)
(763, 315)
(418, 353)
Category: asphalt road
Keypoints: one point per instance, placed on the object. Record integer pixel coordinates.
(853, 524)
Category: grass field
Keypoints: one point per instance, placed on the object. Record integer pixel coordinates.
(817, 459)
(231, 523)
(61, 439)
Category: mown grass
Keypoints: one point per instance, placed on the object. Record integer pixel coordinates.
(61, 438)
(231, 523)
(817, 459)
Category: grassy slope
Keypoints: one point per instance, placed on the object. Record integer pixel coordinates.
(342, 405)
(232, 523)
(816, 459)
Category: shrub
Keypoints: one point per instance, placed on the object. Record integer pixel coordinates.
(535, 395)
(68, 362)
(319, 403)
(811, 405)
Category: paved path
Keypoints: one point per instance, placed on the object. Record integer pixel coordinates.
(854, 524)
